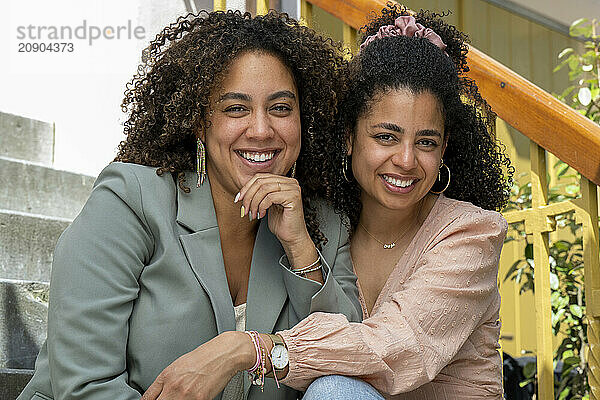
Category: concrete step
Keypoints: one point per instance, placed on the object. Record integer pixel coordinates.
(23, 322)
(26, 139)
(34, 188)
(27, 244)
(12, 382)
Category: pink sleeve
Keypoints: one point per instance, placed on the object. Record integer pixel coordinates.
(421, 327)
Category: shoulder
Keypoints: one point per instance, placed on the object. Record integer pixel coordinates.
(137, 187)
(134, 180)
(130, 173)
(455, 216)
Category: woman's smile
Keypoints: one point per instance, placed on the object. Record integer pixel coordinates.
(398, 184)
(259, 160)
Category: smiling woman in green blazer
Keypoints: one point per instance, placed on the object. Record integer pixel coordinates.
(152, 268)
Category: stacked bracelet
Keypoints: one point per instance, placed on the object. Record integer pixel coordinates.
(315, 266)
(258, 371)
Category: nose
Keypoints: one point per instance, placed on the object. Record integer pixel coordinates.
(260, 126)
(405, 157)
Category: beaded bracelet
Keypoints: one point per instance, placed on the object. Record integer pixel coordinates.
(256, 364)
(258, 371)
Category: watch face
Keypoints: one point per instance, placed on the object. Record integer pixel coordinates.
(279, 355)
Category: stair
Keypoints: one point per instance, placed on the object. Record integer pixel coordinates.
(26, 139)
(37, 202)
(12, 381)
(27, 243)
(35, 188)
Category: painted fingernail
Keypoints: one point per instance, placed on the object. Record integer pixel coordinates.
(250, 215)
(237, 197)
(242, 212)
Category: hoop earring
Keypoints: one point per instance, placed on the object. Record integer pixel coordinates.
(440, 178)
(200, 162)
(345, 168)
(293, 171)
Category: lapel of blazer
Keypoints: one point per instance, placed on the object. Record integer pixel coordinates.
(266, 289)
(202, 248)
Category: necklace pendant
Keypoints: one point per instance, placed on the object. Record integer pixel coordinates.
(389, 246)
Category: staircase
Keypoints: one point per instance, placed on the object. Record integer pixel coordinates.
(37, 203)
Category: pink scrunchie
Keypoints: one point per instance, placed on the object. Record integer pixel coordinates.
(406, 25)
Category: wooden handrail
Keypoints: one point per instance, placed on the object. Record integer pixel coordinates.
(535, 113)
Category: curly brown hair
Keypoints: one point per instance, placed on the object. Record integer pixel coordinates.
(168, 99)
(481, 171)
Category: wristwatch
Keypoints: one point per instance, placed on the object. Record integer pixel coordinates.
(279, 353)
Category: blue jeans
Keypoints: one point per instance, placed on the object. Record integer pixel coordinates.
(337, 387)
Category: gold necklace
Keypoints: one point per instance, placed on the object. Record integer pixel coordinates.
(389, 246)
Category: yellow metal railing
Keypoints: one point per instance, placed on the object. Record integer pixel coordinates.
(575, 140)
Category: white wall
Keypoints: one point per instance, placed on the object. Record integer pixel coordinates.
(81, 91)
(563, 11)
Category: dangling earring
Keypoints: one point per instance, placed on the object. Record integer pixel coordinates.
(440, 178)
(293, 171)
(345, 168)
(200, 162)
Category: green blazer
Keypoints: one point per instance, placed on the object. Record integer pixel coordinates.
(138, 280)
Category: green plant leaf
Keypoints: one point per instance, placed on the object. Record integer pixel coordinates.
(578, 22)
(529, 251)
(562, 169)
(563, 395)
(553, 281)
(557, 316)
(512, 269)
(578, 28)
(566, 51)
(576, 310)
(561, 245)
(529, 369)
(572, 360)
(572, 189)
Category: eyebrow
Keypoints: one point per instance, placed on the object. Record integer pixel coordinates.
(234, 96)
(280, 94)
(395, 128)
(245, 97)
(429, 132)
(389, 126)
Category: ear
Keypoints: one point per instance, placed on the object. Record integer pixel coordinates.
(349, 143)
(201, 131)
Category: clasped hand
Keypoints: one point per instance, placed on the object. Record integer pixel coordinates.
(282, 197)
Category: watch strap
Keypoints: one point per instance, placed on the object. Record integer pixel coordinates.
(277, 340)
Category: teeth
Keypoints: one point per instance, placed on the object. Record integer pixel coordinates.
(257, 157)
(398, 182)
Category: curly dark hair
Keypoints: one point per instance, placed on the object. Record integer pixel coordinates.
(168, 99)
(481, 171)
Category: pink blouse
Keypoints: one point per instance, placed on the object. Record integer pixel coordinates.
(433, 332)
